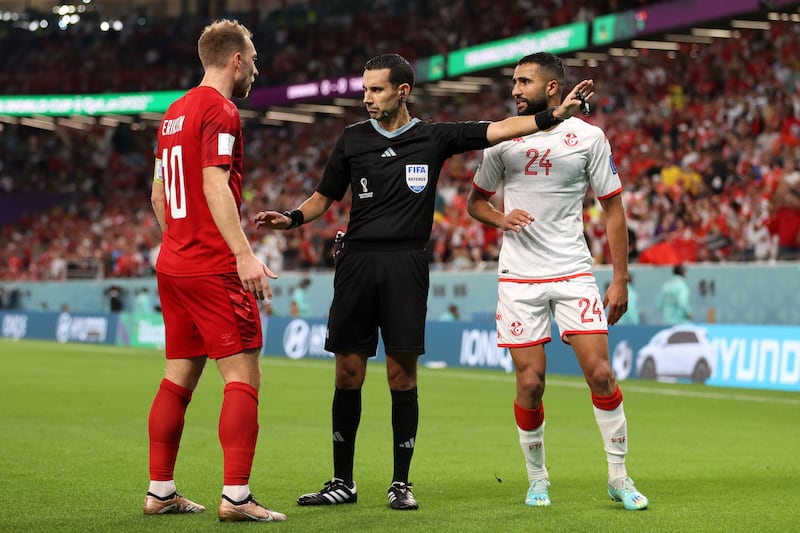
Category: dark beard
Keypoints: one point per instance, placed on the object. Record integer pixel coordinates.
(534, 106)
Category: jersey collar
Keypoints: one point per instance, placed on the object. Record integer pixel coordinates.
(392, 134)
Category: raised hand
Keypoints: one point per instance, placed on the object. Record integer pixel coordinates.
(573, 102)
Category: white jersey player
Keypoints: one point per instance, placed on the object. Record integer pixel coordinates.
(545, 267)
(548, 174)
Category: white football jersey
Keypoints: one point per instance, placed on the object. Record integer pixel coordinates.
(547, 174)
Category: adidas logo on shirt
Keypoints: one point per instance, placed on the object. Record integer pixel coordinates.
(389, 152)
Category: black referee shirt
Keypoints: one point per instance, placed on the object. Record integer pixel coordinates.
(393, 175)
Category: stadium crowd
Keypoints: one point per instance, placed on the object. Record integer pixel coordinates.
(707, 141)
(299, 41)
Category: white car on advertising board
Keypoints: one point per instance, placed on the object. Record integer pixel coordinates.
(682, 351)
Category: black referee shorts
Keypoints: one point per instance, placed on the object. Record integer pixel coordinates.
(372, 289)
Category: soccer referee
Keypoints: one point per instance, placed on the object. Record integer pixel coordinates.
(391, 163)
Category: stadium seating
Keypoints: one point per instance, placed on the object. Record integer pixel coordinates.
(706, 163)
(297, 42)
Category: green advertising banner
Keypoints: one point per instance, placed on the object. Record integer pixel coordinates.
(141, 330)
(565, 38)
(611, 28)
(88, 104)
(429, 68)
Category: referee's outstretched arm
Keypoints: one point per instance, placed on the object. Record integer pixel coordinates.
(310, 209)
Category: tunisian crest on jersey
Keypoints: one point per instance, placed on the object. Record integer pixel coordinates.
(571, 139)
(417, 177)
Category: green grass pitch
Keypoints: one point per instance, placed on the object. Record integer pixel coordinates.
(73, 451)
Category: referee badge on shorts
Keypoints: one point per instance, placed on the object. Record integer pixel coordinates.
(417, 177)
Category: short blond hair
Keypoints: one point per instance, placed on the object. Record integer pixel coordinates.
(219, 40)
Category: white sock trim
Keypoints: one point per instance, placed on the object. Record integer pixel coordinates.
(236, 493)
(162, 489)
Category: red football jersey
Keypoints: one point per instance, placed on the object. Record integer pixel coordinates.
(200, 129)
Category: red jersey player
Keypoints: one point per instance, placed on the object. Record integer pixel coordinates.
(208, 277)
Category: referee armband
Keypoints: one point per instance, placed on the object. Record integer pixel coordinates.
(546, 120)
(298, 219)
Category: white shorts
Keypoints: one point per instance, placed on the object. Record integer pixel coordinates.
(524, 310)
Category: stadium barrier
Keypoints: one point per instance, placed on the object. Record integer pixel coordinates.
(730, 293)
(98, 328)
(761, 357)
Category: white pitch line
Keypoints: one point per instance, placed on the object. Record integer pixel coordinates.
(629, 386)
(510, 378)
(493, 377)
(714, 395)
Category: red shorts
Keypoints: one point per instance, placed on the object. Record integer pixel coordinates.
(208, 315)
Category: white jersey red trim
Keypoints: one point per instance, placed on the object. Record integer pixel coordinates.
(547, 174)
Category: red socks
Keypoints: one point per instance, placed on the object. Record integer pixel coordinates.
(238, 431)
(165, 426)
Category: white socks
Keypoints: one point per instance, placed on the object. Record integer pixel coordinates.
(614, 430)
(236, 493)
(162, 489)
(532, 444)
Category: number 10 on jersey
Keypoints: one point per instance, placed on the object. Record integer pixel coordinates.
(170, 169)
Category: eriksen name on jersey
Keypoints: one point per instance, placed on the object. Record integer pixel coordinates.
(173, 125)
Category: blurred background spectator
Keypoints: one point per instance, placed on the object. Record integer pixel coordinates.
(450, 315)
(299, 305)
(674, 298)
